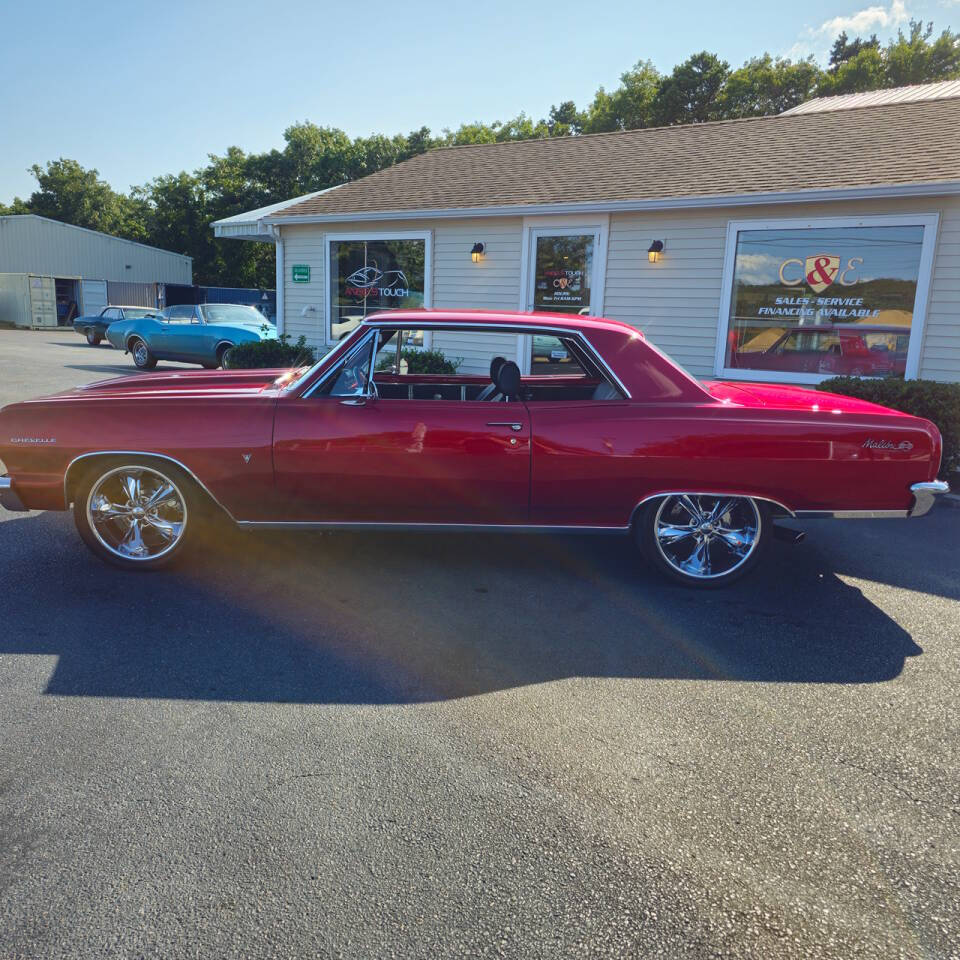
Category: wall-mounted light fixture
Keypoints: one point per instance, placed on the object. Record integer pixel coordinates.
(476, 254)
(655, 251)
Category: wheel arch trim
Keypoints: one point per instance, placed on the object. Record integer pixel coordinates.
(139, 453)
(705, 493)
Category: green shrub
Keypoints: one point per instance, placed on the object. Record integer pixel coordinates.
(270, 353)
(421, 361)
(939, 402)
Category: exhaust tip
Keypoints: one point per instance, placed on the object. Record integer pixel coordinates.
(788, 535)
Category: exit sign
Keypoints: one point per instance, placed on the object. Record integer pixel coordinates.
(301, 273)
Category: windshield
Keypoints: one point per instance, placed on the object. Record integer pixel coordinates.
(231, 313)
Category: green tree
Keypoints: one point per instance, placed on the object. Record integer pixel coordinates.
(764, 86)
(845, 49)
(564, 119)
(912, 58)
(690, 93)
(629, 106)
(69, 192)
(863, 71)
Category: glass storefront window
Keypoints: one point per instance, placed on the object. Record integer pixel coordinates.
(369, 276)
(563, 268)
(824, 301)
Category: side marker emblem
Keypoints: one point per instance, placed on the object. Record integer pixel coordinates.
(246, 457)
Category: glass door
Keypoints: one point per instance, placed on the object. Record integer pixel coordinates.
(562, 278)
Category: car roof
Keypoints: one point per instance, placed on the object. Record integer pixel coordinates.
(496, 318)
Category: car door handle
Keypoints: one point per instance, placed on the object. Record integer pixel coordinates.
(359, 402)
(516, 427)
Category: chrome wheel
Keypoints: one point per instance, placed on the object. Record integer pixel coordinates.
(705, 538)
(136, 513)
(141, 355)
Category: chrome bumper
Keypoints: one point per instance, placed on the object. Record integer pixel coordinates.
(924, 495)
(8, 498)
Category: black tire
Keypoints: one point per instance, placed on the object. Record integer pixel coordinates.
(222, 352)
(93, 338)
(105, 538)
(143, 359)
(747, 524)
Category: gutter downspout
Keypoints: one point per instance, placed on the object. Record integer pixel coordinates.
(278, 244)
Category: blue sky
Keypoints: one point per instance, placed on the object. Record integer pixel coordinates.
(139, 90)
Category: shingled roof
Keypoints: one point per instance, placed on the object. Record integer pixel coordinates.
(887, 145)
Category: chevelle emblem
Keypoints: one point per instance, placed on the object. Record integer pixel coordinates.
(871, 444)
(33, 439)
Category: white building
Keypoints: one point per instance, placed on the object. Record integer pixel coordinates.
(793, 248)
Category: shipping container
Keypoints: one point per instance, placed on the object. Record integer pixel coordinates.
(28, 300)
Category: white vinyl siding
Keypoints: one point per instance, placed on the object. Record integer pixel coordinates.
(304, 304)
(491, 284)
(940, 358)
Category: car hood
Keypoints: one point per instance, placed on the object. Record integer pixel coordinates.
(780, 396)
(177, 384)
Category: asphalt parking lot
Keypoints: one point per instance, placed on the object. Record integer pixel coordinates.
(451, 746)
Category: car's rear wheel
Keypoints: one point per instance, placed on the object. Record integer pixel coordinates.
(703, 541)
(93, 338)
(143, 359)
(136, 516)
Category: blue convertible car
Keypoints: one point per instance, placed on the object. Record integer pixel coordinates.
(193, 334)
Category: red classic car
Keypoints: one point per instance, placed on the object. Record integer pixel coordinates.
(624, 441)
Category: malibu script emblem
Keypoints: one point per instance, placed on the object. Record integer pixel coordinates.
(33, 439)
(904, 445)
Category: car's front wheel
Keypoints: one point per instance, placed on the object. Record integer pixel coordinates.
(222, 352)
(93, 338)
(143, 359)
(136, 516)
(703, 541)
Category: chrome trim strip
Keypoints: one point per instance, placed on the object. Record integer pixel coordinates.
(924, 496)
(142, 453)
(704, 493)
(852, 514)
(356, 525)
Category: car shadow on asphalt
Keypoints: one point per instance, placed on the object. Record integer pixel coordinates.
(403, 618)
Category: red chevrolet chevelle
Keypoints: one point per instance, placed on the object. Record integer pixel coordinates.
(605, 435)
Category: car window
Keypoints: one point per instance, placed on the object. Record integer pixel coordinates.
(231, 313)
(130, 312)
(402, 352)
(179, 314)
(552, 356)
(112, 313)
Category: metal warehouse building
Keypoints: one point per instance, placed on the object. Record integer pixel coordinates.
(52, 271)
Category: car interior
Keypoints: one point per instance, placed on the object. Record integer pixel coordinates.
(396, 375)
